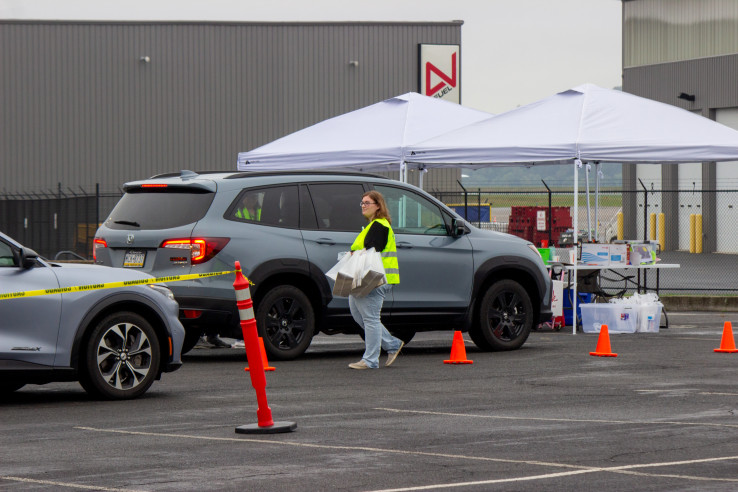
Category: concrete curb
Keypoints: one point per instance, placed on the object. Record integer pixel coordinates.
(700, 303)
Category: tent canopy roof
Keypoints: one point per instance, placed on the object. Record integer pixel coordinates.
(588, 123)
(373, 137)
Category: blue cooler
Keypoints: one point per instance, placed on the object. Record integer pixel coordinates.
(584, 298)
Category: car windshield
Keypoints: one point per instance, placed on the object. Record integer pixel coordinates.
(173, 208)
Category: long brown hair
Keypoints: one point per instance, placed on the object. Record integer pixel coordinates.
(382, 210)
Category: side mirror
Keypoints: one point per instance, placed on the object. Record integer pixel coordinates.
(25, 258)
(458, 227)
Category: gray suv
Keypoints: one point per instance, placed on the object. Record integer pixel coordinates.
(453, 275)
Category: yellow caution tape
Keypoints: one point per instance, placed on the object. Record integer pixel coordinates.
(109, 285)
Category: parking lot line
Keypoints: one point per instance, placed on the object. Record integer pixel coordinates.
(65, 484)
(573, 469)
(566, 420)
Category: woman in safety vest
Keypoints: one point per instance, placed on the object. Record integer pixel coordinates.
(366, 310)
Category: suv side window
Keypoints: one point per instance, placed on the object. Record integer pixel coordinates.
(337, 206)
(275, 206)
(412, 213)
(6, 255)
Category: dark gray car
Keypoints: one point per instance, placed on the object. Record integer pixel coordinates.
(453, 275)
(115, 342)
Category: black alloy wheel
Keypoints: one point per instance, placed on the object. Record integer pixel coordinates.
(286, 321)
(505, 317)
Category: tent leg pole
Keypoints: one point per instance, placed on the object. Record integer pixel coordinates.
(589, 220)
(575, 297)
(597, 203)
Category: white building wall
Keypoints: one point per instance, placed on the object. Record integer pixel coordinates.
(726, 177)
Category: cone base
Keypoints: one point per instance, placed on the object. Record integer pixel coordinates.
(726, 351)
(598, 354)
(276, 428)
(266, 369)
(458, 362)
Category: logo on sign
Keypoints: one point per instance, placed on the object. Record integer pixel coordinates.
(445, 82)
(439, 70)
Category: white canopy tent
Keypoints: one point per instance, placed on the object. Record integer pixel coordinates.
(371, 138)
(583, 124)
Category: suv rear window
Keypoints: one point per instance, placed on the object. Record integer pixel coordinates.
(159, 209)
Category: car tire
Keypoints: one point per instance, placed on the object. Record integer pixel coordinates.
(505, 317)
(403, 334)
(121, 357)
(286, 321)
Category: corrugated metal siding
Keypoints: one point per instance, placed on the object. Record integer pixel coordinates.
(79, 107)
(659, 31)
(710, 80)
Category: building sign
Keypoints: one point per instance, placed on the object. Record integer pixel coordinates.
(541, 220)
(440, 71)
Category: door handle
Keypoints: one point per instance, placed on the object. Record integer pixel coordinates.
(404, 245)
(325, 240)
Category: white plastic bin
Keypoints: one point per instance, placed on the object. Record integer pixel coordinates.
(619, 318)
(649, 317)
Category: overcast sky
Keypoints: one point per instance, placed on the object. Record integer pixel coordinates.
(513, 51)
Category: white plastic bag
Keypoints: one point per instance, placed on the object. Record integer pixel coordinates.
(346, 272)
(331, 274)
(372, 273)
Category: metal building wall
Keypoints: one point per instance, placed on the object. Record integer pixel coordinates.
(661, 31)
(712, 81)
(81, 105)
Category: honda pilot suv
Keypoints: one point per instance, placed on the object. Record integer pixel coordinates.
(287, 229)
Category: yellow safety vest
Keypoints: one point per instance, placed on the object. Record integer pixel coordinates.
(389, 254)
(244, 214)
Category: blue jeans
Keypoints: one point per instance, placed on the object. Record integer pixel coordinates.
(365, 311)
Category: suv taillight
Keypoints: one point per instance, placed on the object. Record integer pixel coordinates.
(98, 243)
(201, 248)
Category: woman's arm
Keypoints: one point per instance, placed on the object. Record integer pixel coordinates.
(376, 237)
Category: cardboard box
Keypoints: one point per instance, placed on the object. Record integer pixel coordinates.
(618, 254)
(596, 254)
(619, 318)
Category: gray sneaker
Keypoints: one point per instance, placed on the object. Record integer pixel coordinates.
(217, 342)
(203, 343)
(391, 356)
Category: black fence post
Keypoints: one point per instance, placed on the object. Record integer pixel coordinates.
(645, 210)
(550, 220)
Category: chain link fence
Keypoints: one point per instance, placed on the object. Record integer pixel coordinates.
(59, 225)
(671, 217)
(62, 225)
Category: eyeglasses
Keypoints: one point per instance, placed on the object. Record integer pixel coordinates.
(366, 204)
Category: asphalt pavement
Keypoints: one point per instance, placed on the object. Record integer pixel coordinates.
(662, 415)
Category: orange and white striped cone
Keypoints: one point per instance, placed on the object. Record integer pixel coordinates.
(245, 305)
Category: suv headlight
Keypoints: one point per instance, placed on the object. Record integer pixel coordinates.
(163, 290)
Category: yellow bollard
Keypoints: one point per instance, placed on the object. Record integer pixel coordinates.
(662, 230)
(698, 234)
(692, 229)
(652, 226)
(621, 227)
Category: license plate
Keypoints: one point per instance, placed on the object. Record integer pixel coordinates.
(134, 259)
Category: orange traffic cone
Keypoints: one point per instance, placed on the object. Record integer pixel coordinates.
(727, 344)
(458, 351)
(264, 360)
(603, 344)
